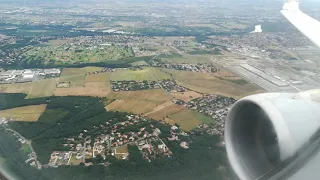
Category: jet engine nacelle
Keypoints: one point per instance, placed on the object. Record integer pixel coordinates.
(264, 130)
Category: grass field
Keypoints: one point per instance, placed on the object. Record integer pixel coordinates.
(186, 96)
(148, 73)
(162, 111)
(77, 71)
(136, 106)
(74, 161)
(189, 119)
(186, 58)
(26, 148)
(26, 113)
(76, 80)
(208, 84)
(16, 88)
(42, 88)
(156, 96)
(100, 77)
(95, 89)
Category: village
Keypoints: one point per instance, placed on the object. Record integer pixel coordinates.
(204, 68)
(211, 105)
(168, 85)
(113, 141)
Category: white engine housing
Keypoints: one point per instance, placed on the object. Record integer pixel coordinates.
(263, 130)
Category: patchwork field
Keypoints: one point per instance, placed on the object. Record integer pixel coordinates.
(42, 88)
(186, 96)
(26, 113)
(208, 84)
(162, 111)
(139, 75)
(189, 119)
(136, 106)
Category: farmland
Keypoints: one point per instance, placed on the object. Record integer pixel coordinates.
(26, 113)
(188, 119)
(186, 96)
(157, 96)
(148, 73)
(208, 84)
(164, 110)
(138, 102)
(42, 88)
(78, 71)
(16, 88)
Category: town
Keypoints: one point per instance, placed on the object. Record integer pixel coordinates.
(168, 85)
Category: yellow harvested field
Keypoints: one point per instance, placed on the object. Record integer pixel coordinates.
(135, 106)
(186, 96)
(157, 96)
(77, 71)
(95, 89)
(149, 73)
(16, 88)
(43, 88)
(100, 77)
(26, 113)
(208, 84)
(163, 111)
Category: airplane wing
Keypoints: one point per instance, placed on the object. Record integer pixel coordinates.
(304, 23)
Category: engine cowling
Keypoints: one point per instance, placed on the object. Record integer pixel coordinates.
(263, 130)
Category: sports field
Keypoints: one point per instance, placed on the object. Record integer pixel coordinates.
(26, 113)
(189, 119)
(149, 73)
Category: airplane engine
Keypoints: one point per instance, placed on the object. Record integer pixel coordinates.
(264, 131)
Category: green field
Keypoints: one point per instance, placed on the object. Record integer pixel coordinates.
(149, 73)
(76, 80)
(26, 148)
(189, 119)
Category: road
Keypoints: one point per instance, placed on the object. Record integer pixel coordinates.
(27, 142)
